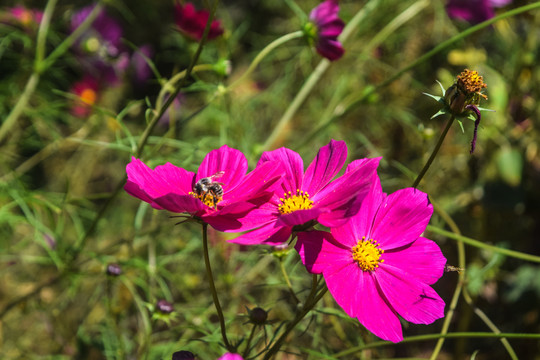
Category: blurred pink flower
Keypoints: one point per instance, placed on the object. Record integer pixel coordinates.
(377, 266)
(192, 22)
(313, 196)
(474, 11)
(174, 189)
(87, 92)
(26, 17)
(229, 356)
(328, 26)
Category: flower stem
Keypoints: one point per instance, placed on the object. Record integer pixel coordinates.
(264, 52)
(312, 300)
(434, 153)
(287, 280)
(213, 288)
(248, 343)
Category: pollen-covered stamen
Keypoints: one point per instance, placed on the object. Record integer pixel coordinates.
(207, 198)
(471, 83)
(291, 203)
(367, 254)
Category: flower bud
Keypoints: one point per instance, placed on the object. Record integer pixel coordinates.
(114, 269)
(164, 307)
(258, 316)
(183, 355)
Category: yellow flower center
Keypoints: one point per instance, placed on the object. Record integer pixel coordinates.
(207, 198)
(291, 203)
(471, 83)
(367, 254)
(88, 96)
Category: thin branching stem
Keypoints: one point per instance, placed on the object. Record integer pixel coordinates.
(213, 288)
(434, 152)
(287, 280)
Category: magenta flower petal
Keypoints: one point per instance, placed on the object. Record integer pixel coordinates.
(325, 166)
(414, 300)
(292, 164)
(163, 180)
(329, 26)
(318, 250)
(376, 266)
(231, 161)
(192, 22)
(428, 264)
(402, 217)
(299, 217)
(231, 356)
(261, 178)
(360, 298)
(269, 234)
(473, 11)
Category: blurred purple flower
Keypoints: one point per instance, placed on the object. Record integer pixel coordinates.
(141, 70)
(99, 48)
(324, 28)
(474, 11)
(230, 356)
(192, 22)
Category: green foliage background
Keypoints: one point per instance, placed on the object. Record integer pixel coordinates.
(58, 171)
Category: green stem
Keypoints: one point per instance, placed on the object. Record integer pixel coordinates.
(213, 288)
(461, 279)
(267, 50)
(434, 153)
(479, 244)
(248, 343)
(313, 79)
(354, 99)
(287, 280)
(41, 64)
(455, 335)
(310, 303)
(490, 324)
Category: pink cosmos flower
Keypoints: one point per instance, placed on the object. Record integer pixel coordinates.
(192, 22)
(229, 356)
(87, 92)
(474, 11)
(305, 197)
(26, 17)
(377, 266)
(328, 27)
(174, 189)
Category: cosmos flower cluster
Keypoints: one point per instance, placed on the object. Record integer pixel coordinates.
(374, 259)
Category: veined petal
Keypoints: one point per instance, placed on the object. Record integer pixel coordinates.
(414, 300)
(269, 234)
(356, 182)
(330, 49)
(428, 264)
(318, 250)
(163, 180)
(401, 218)
(360, 224)
(357, 293)
(260, 179)
(231, 161)
(292, 165)
(230, 218)
(325, 166)
(299, 217)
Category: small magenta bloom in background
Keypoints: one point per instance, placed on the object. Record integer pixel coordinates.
(377, 265)
(172, 188)
(323, 28)
(28, 18)
(192, 22)
(86, 91)
(230, 356)
(311, 196)
(474, 11)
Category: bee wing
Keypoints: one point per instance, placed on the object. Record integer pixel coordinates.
(217, 175)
